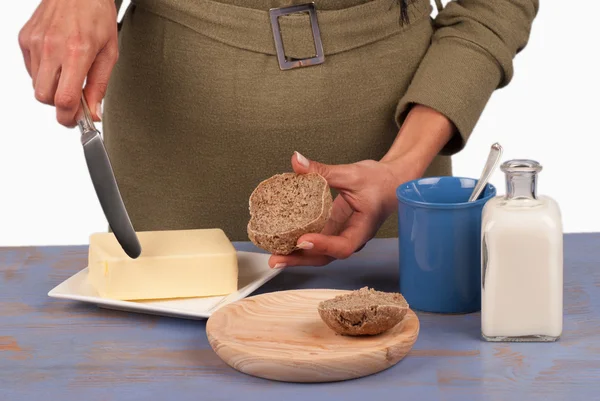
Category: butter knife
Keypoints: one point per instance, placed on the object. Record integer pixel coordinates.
(105, 184)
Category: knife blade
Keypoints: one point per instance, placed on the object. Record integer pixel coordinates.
(105, 183)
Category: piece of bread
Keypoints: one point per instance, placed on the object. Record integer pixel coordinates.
(363, 312)
(285, 207)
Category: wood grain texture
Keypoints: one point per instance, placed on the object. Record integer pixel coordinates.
(59, 350)
(280, 336)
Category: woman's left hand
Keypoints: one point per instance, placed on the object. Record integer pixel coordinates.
(367, 189)
(366, 198)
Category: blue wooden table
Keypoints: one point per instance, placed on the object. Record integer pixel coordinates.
(61, 351)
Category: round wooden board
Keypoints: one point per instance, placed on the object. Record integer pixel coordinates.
(280, 336)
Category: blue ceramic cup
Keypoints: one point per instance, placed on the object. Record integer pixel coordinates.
(440, 243)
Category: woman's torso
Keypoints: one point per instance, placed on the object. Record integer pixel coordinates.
(198, 111)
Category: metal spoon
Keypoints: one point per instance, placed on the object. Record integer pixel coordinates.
(490, 166)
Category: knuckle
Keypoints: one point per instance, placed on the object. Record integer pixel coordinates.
(101, 87)
(355, 169)
(23, 38)
(52, 40)
(113, 56)
(77, 46)
(345, 252)
(36, 38)
(333, 251)
(320, 169)
(50, 44)
(354, 174)
(367, 163)
(66, 100)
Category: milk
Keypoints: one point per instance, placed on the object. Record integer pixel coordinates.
(522, 261)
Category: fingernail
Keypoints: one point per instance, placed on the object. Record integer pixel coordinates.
(301, 159)
(306, 245)
(99, 110)
(279, 266)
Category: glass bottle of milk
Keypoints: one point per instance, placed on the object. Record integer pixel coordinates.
(522, 260)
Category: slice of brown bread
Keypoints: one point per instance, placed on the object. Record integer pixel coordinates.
(363, 312)
(285, 207)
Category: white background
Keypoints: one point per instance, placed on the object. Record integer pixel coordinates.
(549, 113)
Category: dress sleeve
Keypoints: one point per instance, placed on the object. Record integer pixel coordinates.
(471, 55)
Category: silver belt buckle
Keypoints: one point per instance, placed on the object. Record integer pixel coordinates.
(289, 63)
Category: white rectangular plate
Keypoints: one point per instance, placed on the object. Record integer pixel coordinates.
(254, 272)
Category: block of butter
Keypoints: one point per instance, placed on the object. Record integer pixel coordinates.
(173, 264)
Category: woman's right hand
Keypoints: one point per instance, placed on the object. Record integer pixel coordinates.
(63, 43)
